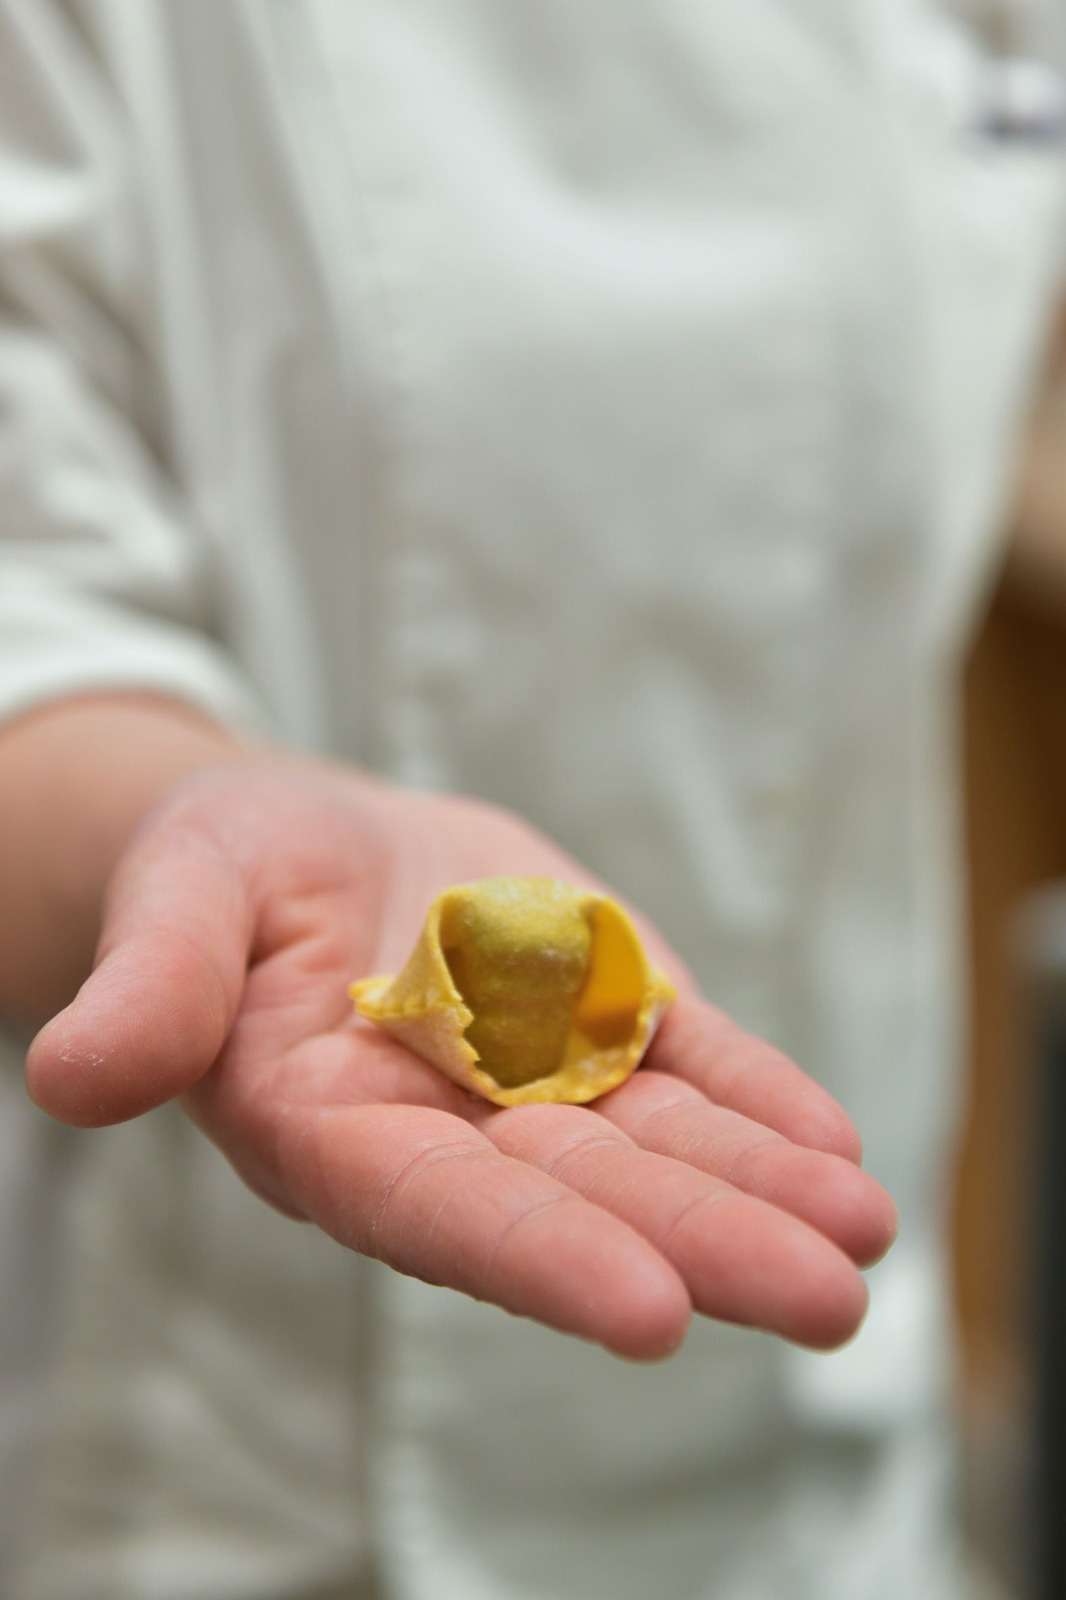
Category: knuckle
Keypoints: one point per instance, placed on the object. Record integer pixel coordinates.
(379, 1224)
(511, 1231)
(648, 1099)
(683, 1223)
(580, 1148)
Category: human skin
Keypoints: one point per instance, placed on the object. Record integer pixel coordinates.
(231, 892)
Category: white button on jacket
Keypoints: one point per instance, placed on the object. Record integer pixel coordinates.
(603, 408)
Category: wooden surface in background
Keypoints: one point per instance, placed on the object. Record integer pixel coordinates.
(1016, 791)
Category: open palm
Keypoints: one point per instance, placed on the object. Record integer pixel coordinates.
(719, 1178)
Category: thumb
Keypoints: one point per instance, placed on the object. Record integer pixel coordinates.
(155, 1012)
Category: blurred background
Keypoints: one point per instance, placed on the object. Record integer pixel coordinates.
(1009, 1245)
(1010, 1197)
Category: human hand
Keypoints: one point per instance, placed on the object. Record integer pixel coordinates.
(719, 1177)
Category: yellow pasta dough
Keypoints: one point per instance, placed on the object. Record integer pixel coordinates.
(523, 990)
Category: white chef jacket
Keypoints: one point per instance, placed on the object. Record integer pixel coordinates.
(603, 408)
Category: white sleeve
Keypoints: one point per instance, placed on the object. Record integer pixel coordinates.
(104, 581)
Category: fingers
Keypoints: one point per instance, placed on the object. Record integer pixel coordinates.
(666, 1115)
(455, 1191)
(735, 1069)
(430, 1195)
(742, 1260)
(154, 1013)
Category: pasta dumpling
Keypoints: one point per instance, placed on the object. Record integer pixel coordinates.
(523, 990)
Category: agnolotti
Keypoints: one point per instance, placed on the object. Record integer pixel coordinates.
(523, 990)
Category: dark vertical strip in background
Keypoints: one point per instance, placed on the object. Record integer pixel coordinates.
(1047, 1299)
